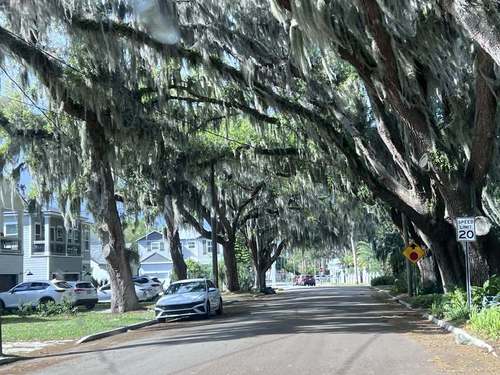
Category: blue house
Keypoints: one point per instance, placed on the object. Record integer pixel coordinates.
(37, 245)
(154, 252)
(154, 256)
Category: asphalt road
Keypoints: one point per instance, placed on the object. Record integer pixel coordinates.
(336, 330)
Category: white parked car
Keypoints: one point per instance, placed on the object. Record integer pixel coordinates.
(143, 293)
(36, 292)
(151, 282)
(188, 298)
(85, 294)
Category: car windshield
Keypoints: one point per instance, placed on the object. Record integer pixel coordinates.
(189, 287)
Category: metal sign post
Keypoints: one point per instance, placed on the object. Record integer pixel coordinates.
(466, 232)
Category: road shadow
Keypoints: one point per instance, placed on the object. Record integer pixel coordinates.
(313, 311)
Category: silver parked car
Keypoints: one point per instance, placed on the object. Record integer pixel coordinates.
(36, 292)
(150, 282)
(188, 298)
(85, 294)
(143, 293)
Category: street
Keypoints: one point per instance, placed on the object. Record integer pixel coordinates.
(330, 330)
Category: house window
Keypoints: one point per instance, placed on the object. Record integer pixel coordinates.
(86, 239)
(38, 232)
(11, 229)
(155, 246)
(70, 235)
(60, 234)
(76, 235)
(52, 233)
(191, 245)
(207, 247)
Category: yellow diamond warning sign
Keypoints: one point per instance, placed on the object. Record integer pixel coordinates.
(414, 253)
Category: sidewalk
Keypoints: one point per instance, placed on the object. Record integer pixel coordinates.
(23, 347)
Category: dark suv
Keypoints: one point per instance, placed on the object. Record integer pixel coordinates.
(309, 281)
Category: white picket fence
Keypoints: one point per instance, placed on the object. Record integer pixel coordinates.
(341, 277)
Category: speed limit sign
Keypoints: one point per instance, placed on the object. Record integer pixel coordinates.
(466, 229)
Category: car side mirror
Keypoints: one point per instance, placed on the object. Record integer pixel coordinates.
(212, 289)
(11, 291)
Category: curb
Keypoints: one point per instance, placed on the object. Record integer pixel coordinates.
(116, 331)
(6, 360)
(461, 336)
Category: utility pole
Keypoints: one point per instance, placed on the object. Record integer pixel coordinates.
(409, 270)
(213, 226)
(354, 256)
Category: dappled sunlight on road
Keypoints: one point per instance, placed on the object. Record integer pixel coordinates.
(303, 326)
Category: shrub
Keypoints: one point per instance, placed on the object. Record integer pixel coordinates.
(455, 307)
(451, 306)
(492, 286)
(245, 277)
(25, 309)
(382, 280)
(197, 270)
(487, 322)
(399, 286)
(425, 300)
(51, 308)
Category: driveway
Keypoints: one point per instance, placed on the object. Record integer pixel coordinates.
(334, 330)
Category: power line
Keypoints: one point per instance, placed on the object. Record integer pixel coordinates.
(48, 54)
(20, 88)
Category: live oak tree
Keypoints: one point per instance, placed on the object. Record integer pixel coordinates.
(398, 96)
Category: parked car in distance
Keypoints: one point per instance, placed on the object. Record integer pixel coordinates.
(189, 298)
(85, 294)
(151, 282)
(36, 292)
(309, 280)
(304, 280)
(143, 293)
(297, 279)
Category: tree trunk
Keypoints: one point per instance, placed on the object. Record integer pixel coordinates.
(179, 265)
(102, 204)
(233, 283)
(354, 258)
(428, 276)
(481, 23)
(260, 278)
(447, 254)
(171, 232)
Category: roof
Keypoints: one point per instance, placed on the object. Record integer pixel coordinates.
(185, 233)
(187, 281)
(148, 234)
(156, 258)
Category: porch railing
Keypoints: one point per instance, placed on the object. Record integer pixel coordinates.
(10, 246)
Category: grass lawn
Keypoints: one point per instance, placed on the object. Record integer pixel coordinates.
(60, 327)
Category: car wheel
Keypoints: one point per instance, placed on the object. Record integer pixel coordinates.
(162, 320)
(46, 300)
(2, 307)
(207, 310)
(220, 308)
(90, 306)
